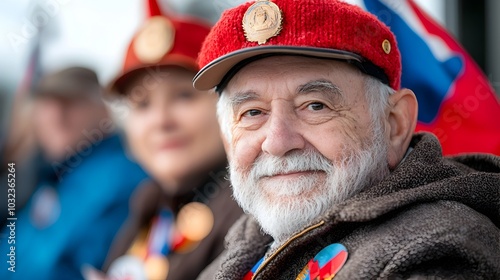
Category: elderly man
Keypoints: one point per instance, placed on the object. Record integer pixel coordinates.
(324, 160)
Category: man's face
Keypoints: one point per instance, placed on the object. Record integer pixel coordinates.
(60, 122)
(302, 139)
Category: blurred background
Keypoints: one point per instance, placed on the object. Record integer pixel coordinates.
(40, 37)
(95, 33)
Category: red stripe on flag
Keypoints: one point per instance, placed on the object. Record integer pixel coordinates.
(468, 120)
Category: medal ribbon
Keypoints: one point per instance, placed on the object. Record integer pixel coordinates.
(250, 274)
(162, 234)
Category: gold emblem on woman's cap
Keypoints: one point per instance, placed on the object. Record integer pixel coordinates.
(262, 21)
(154, 40)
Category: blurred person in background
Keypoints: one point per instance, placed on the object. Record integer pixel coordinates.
(18, 147)
(178, 222)
(82, 192)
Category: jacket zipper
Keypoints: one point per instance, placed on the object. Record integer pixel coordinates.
(284, 245)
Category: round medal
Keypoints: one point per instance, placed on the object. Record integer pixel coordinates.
(139, 247)
(156, 267)
(195, 221)
(325, 264)
(127, 267)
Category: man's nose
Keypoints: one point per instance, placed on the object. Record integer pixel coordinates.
(57, 111)
(282, 135)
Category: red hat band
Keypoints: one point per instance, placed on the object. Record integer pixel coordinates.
(317, 28)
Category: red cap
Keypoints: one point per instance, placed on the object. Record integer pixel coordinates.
(317, 28)
(162, 41)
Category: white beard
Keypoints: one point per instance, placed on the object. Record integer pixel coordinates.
(284, 207)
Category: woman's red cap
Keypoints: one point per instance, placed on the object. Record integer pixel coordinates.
(162, 41)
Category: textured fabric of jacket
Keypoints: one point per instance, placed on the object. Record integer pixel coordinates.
(432, 217)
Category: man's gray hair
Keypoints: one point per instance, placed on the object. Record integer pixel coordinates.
(376, 92)
(377, 96)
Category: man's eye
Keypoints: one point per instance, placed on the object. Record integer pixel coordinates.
(252, 113)
(316, 106)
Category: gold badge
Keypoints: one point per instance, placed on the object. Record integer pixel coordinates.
(195, 221)
(154, 40)
(386, 46)
(156, 267)
(262, 21)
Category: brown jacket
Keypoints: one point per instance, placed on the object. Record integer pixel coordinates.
(432, 216)
(147, 201)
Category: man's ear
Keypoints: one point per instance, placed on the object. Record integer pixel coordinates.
(402, 120)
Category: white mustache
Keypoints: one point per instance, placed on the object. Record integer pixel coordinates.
(309, 161)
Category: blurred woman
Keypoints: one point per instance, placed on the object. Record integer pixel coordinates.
(177, 223)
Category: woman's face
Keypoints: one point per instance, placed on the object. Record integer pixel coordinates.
(172, 128)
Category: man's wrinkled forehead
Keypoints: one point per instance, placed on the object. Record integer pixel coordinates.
(257, 73)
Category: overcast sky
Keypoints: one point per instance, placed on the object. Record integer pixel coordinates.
(92, 33)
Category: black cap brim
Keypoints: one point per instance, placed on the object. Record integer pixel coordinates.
(218, 72)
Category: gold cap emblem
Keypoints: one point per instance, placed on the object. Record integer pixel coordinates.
(262, 21)
(154, 40)
(386, 46)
